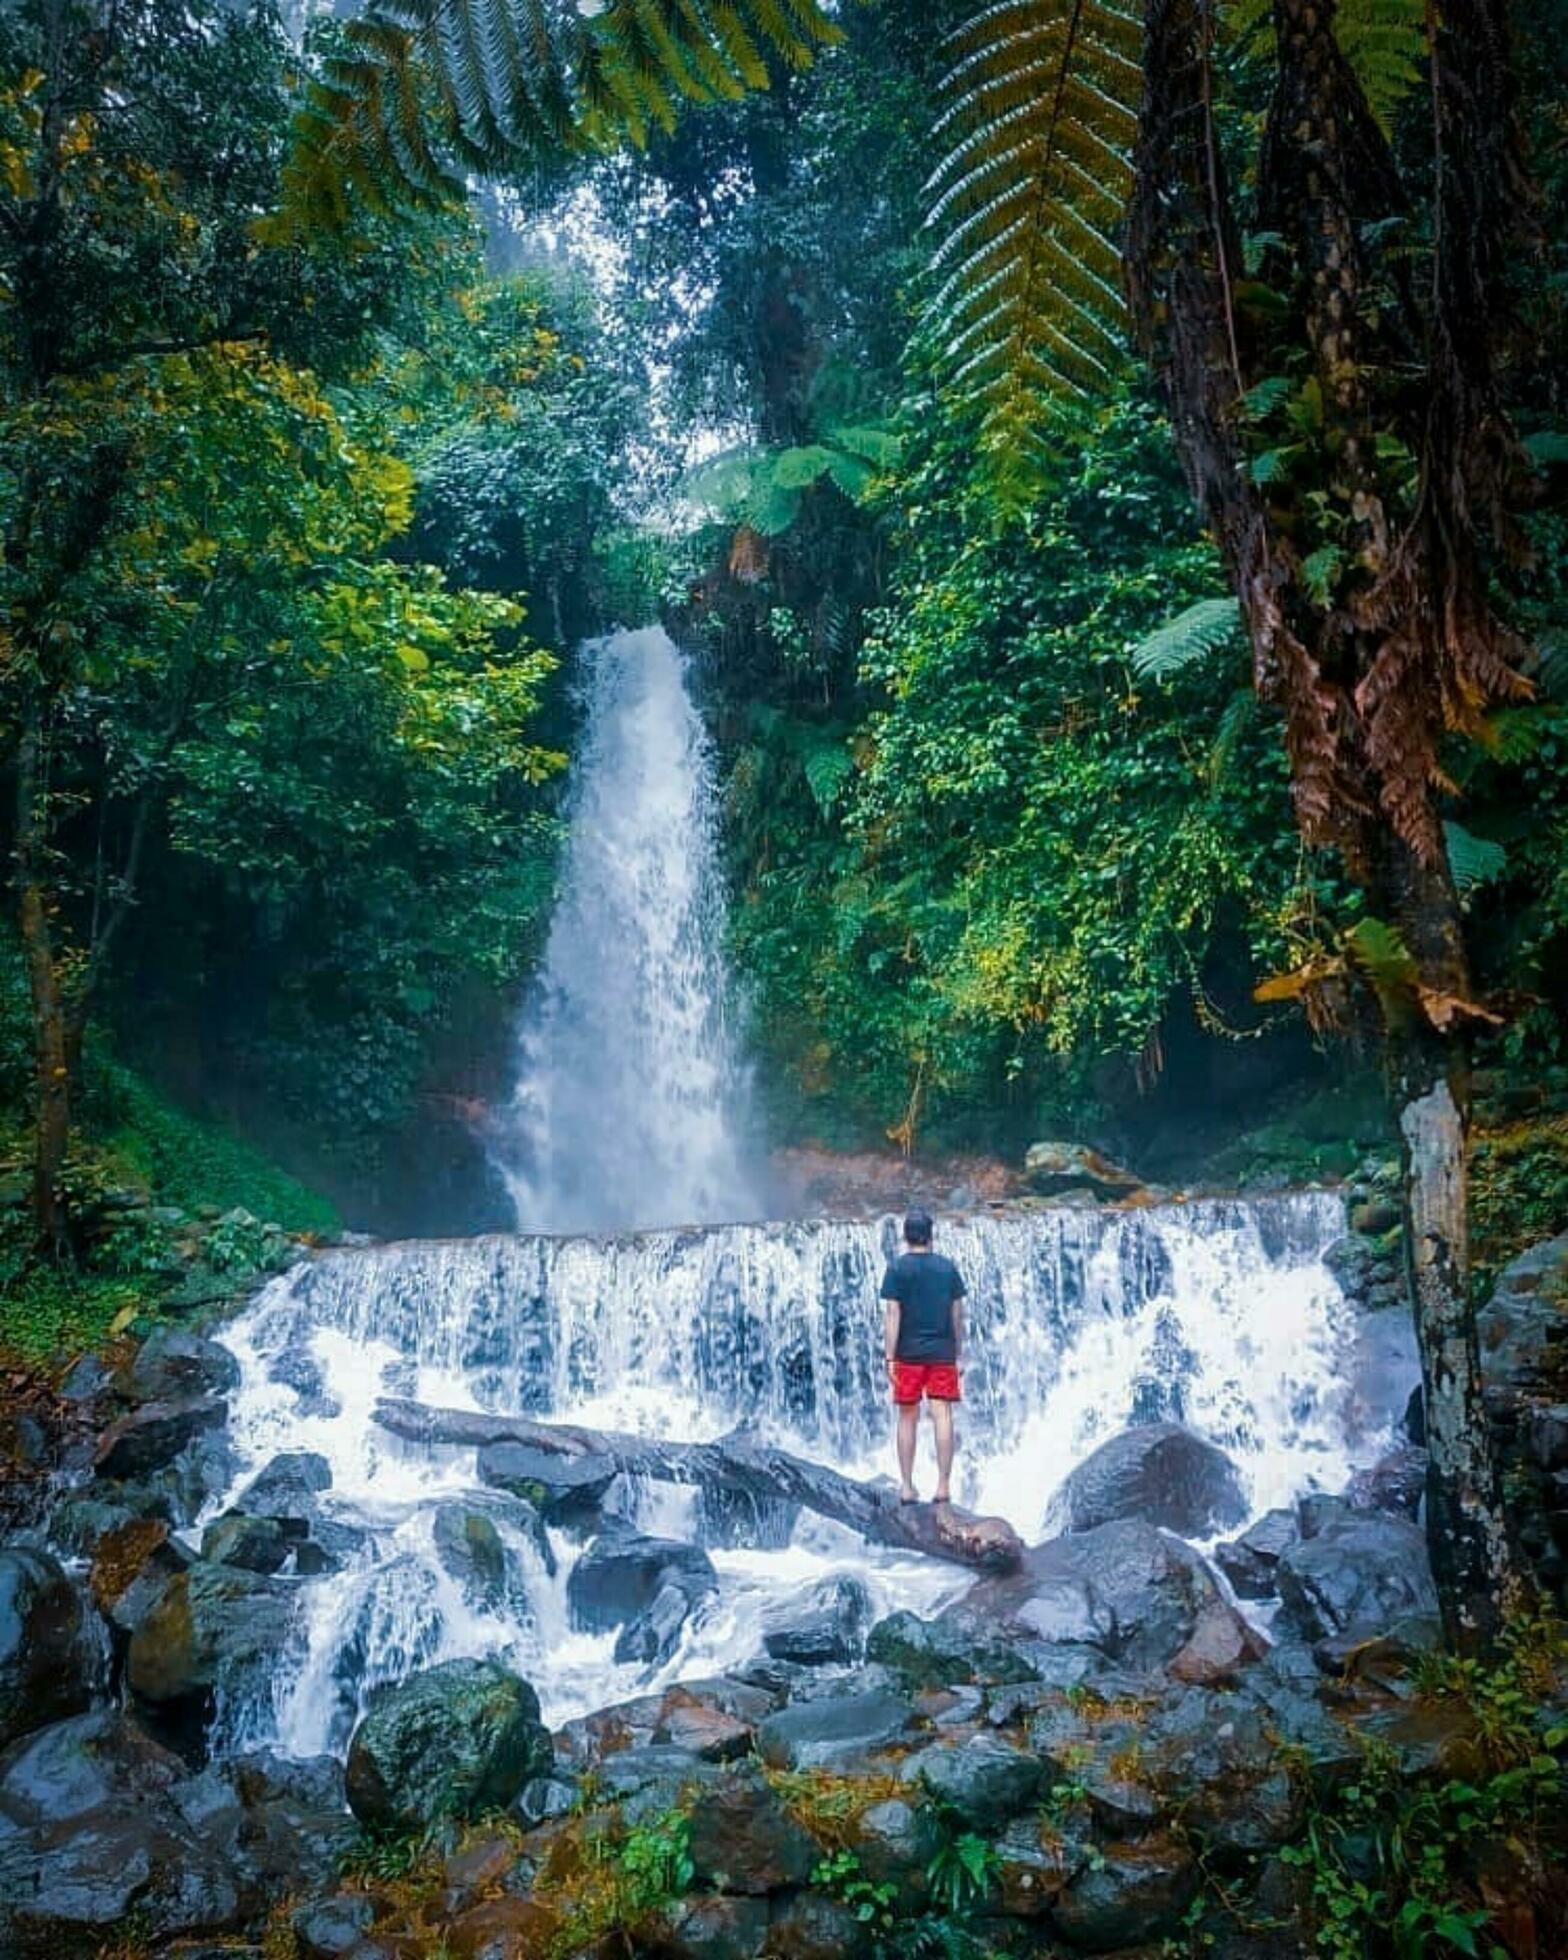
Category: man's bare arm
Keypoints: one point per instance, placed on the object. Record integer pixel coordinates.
(958, 1324)
(890, 1322)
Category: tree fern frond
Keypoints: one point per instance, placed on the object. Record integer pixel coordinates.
(1040, 108)
(431, 90)
(1192, 635)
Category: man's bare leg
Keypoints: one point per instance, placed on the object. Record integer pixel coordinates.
(942, 1423)
(908, 1429)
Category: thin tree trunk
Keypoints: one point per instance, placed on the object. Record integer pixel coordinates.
(1478, 1582)
(51, 1045)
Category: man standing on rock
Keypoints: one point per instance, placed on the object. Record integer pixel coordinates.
(923, 1307)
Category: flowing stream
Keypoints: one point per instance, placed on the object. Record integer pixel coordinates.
(1220, 1313)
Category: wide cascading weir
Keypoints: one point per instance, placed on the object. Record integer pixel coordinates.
(1219, 1313)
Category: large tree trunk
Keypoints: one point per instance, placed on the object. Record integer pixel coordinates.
(1478, 1582)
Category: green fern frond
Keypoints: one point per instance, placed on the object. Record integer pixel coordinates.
(432, 90)
(1040, 112)
(1192, 635)
(865, 440)
(1382, 955)
(1474, 861)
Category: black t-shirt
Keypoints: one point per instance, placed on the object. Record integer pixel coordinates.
(925, 1285)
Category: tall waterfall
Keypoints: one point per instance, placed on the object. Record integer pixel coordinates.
(1221, 1313)
(630, 1105)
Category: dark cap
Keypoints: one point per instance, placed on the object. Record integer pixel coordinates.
(917, 1227)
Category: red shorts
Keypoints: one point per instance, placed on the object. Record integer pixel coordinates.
(936, 1379)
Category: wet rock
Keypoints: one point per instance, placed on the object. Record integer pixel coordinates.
(592, 1739)
(154, 1435)
(1215, 1758)
(86, 1380)
(650, 1639)
(451, 1742)
(1547, 1434)
(174, 1365)
(470, 1548)
(984, 1778)
(132, 1564)
(838, 1733)
(213, 1627)
(1396, 1484)
(68, 1892)
(1523, 1328)
(1358, 1573)
(1249, 1562)
(827, 1626)
(82, 1517)
(1033, 1865)
(1159, 1472)
(288, 1487)
(895, 1842)
(1054, 1167)
(744, 1840)
(929, 1653)
(1318, 1510)
(87, 1763)
(1413, 1422)
(53, 1656)
(1131, 1892)
(1385, 1659)
(718, 1927)
(544, 1797)
(621, 1574)
(332, 1927)
(652, 1779)
(715, 1720)
(504, 1929)
(564, 1490)
(811, 1927)
(1136, 1593)
(251, 1544)
(1222, 1644)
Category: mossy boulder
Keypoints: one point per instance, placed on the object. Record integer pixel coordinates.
(453, 1741)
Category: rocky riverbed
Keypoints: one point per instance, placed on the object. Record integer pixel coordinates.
(1119, 1742)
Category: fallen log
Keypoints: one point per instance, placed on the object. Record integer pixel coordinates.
(734, 1463)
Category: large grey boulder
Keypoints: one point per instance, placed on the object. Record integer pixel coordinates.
(1157, 1471)
(53, 1651)
(213, 1627)
(153, 1436)
(565, 1490)
(173, 1365)
(744, 1840)
(647, 1587)
(1130, 1893)
(288, 1487)
(1250, 1562)
(985, 1779)
(453, 1741)
(1361, 1572)
(838, 1732)
(828, 1624)
(1139, 1595)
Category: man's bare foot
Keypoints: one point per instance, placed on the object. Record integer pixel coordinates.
(943, 1497)
(909, 1495)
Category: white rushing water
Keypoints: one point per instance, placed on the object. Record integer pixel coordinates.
(1218, 1313)
(630, 1107)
